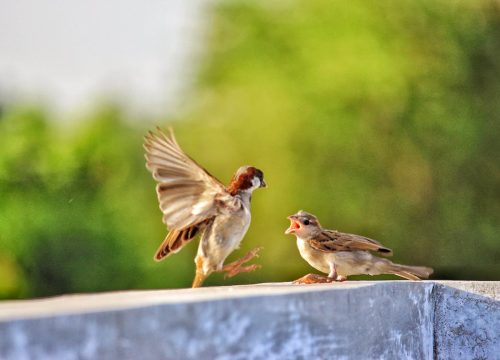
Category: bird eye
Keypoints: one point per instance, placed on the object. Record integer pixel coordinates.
(306, 222)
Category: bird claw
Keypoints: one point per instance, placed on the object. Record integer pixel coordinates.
(241, 269)
(249, 256)
(236, 267)
(313, 279)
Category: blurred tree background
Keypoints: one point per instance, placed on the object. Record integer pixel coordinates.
(381, 118)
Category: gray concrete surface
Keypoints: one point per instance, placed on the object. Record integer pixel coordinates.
(467, 320)
(352, 320)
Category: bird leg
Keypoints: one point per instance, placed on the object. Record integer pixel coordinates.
(334, 275)
(333, 272)
(312, 279)
(200, 276)
(235, 267)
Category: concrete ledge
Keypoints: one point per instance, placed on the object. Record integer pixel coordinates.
(353, 320)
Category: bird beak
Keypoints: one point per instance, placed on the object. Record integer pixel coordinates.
(294, 225)
(263, 184)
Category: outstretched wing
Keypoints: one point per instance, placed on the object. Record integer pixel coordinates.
(187, 193)
(332, 241)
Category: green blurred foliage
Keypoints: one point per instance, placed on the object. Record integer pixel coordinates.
(381, 118)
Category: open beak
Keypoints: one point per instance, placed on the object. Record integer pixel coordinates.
(294, 225)
(263, 184)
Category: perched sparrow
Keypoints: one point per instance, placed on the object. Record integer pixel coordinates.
(194, 202)
(340, 255)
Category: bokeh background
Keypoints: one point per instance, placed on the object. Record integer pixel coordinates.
(382, 118)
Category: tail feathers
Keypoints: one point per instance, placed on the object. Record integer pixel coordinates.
(175, 241)
(411, 272)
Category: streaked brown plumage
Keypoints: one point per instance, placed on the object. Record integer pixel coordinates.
(194, 202)
(340, 255)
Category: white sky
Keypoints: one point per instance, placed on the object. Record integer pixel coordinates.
(70, 53)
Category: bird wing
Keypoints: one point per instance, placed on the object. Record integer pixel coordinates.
(332, 241)
(187, 193)
(177, 239)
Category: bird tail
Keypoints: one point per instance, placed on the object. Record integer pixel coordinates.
(175, 241)
(410, 272)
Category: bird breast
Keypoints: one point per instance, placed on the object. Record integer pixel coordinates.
(317, 259)
(223, 237)
(232, 228)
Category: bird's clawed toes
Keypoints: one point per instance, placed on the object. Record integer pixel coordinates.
(312, 279)
(236, 267)
(241, 269)
(250, 255)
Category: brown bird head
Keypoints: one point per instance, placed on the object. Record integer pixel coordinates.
(304, 225)
(247, 178)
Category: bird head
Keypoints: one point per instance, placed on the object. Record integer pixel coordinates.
(303, 225)
(246, 179)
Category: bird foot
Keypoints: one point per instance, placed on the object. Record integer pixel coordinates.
(341, 278)
(236, 267)
(313, 279)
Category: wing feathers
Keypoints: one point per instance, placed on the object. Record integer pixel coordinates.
(186, 192)
(330, 241)
(177, 239)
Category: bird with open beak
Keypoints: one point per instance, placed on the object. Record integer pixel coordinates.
(340, 255)
(194, 202)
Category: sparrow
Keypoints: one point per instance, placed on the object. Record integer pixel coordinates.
(194, 202)
(340, 255)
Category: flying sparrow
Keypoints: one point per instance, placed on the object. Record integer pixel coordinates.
(194, 202)
(340, 255)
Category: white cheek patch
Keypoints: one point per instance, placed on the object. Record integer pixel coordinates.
(255, 182)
